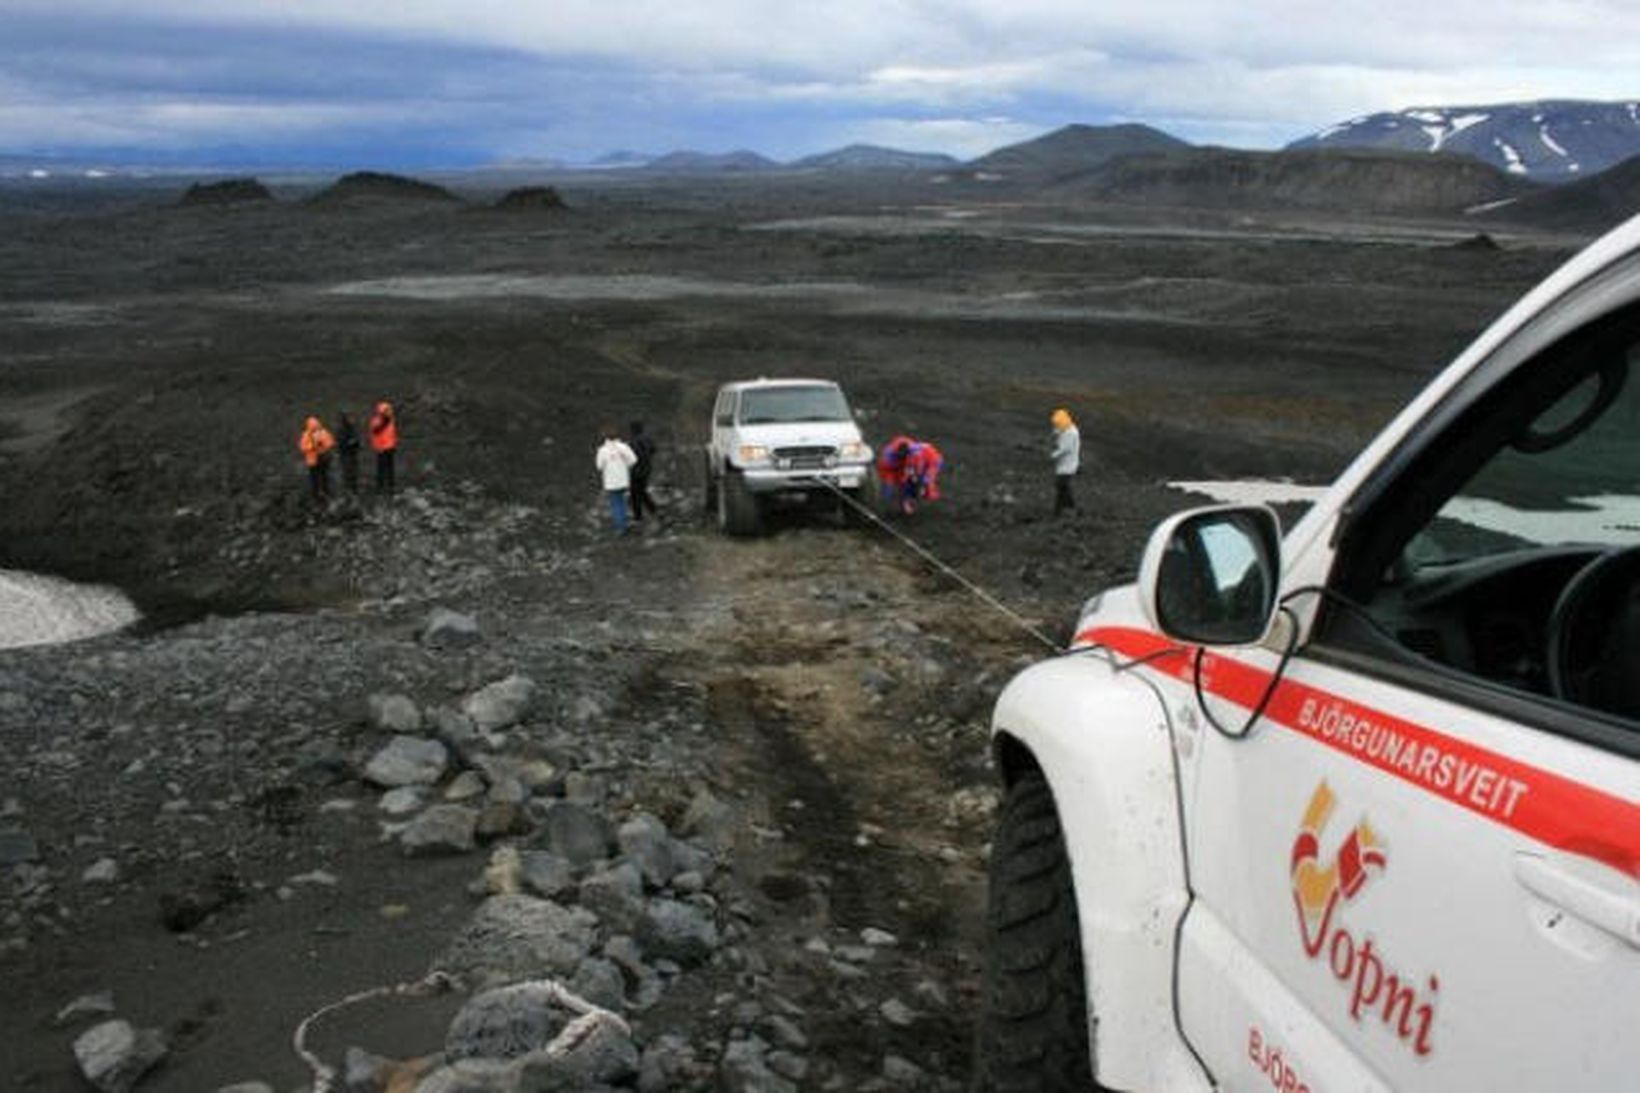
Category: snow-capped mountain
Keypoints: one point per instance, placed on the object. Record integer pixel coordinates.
(1550, 141)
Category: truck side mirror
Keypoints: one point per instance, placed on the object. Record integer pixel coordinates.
(1209, 576)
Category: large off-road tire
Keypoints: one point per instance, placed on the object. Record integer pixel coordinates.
(1033, 1020)
(740, 512)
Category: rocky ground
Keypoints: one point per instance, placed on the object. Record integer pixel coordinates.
(735, 794)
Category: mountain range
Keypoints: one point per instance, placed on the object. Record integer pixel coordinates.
(1549, 141)
(1560, 164)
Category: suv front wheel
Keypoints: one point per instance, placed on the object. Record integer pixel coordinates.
(739, 510)
(1033, 1024)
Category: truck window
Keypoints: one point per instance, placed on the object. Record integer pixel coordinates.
(1509, 551)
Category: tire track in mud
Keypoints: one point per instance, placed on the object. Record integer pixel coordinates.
(848, 705)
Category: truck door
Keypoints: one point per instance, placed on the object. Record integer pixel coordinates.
(1419, 868)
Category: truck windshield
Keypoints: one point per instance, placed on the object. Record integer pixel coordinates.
(771, 405)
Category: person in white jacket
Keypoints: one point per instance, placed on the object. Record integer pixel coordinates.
(1067, 458)
(615, 461)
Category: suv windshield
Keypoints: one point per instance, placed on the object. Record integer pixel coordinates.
(772, 405)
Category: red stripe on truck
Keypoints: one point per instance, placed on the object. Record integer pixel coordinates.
(1540, 804)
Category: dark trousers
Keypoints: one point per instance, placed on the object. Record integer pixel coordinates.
(319, 480)
(350, 471)
(384, 470)
(1062, 498)
(641, 501)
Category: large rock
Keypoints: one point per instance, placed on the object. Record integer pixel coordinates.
(600, 982)
(669, 1063)
(505, 1023)
(546, 874)
(711, 821)
(746, 1070)
(501, 704)
(114, 1055)
(394, 713)
(442, 829)
(17, 846)
(516, 937)
(446, 629)
(407, 761)
(616, 896)
(472, 1076)
(646, 842)
(677, 931)
(605, 1056)
(578, 834)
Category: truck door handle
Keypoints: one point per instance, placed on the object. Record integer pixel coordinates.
(1585, 892)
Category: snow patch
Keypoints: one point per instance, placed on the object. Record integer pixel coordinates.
(1549, 142)
(1463, 121)
(37, 610)
(1253, 491)
(1512, 160)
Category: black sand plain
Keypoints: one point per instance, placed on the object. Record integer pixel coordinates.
(156, 365)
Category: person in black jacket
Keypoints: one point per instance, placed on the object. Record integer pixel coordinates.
(644, 449)
(347, 443)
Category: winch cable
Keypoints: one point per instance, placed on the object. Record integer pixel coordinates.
(926, 555)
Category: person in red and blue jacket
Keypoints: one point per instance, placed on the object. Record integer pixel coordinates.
(909, 470)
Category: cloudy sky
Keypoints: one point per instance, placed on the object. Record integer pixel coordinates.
(459, 82)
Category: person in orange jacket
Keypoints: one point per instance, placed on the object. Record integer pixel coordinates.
(909, 470)
(316, 444)
(384, 438)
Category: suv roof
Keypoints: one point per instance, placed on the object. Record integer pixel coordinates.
(764, 381)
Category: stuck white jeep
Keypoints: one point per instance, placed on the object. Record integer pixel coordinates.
(782, 439)
(1357, 807)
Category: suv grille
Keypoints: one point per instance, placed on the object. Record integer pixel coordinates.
(806, 458)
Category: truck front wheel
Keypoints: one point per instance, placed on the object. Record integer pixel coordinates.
(1033, 1023)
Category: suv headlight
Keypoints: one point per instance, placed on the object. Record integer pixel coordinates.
(854, 451)
(753, 453)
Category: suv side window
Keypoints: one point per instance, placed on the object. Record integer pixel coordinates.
(1507, 555)
(724, 414)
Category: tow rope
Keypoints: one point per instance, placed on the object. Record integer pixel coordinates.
(926, 555)
(590, 1018)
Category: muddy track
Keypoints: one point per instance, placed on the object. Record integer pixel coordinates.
(847, 692)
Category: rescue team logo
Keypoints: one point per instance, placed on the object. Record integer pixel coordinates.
(1321, 886)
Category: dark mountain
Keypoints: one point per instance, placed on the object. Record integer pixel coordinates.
(528, 199)
(228, 191)
(871, 157)
(373, 187)
(1590, 205)
(1352, 181)
(1073, 149)
(622, 157)
(741, 162)
(1550, 141)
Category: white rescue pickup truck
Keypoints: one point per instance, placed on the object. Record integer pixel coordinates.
(1356, 807)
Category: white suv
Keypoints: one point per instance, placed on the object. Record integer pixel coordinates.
(1357, 807)
(791, 438)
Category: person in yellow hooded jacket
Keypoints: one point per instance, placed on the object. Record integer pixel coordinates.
(316, 444)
